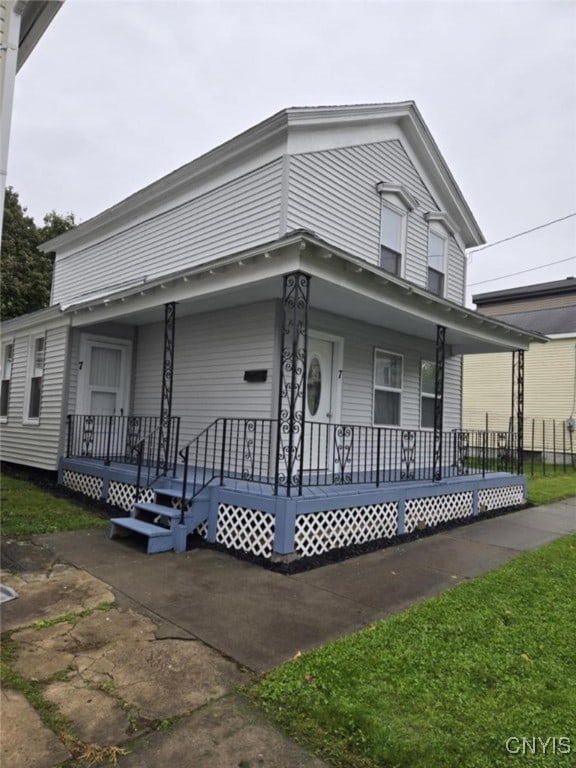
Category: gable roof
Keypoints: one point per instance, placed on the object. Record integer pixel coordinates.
(556, 320)
(277, 134)
(537, 290)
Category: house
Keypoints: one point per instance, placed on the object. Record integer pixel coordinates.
(22, 24)
(550, 370)
(265, 345)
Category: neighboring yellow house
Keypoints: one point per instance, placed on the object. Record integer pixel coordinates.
(550, 369)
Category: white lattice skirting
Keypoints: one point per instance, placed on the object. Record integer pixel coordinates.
(249, 530)
(498, 498)
(89, 485)
(123, 495)
(322, 531)
(431, 510)
(119, 494)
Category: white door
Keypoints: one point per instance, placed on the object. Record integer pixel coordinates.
(105, 378)
(320, 403)
(103, 394)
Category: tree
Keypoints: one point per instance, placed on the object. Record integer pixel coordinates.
(26, 272)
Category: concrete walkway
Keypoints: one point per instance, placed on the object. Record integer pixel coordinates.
(260, 618)
(139, 685)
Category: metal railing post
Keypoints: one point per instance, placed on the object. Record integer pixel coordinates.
(107, 462)
(69, 426)
(223, 452)
(184, 483)
(140, 450)
(176, 444)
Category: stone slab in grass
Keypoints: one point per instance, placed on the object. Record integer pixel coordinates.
(95, 717)
(64, 591)
(118, 649)
(25, 742)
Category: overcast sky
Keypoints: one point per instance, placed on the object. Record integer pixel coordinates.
(117, 94)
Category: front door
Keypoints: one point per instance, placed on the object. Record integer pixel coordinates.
(104, 377)
(103, 396)
(321, 402)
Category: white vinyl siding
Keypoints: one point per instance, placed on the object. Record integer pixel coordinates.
(37, 444)
(360, 340)
(455, 273)
(238, 215)
(212, 351)
(333, 193)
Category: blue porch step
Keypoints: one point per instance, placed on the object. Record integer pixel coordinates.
(159, 538)
(157, 509)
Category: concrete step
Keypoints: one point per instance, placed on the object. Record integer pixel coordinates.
(159, 539)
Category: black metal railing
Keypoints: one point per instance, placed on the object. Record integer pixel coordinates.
(328, 454)
(116, 438)
(233, 448)
(339, 454)
(151, 456)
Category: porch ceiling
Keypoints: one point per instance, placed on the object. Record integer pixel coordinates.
(340, 284)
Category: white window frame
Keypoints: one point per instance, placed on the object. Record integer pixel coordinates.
(423, 394)
(7, 375)
(441, 235)
(31, 369)
(402, 252)
(396, 198)
(379, 388)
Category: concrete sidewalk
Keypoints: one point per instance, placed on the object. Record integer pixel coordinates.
(135, 683)
(260, 618)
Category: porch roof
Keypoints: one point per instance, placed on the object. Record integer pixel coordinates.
(341, 284)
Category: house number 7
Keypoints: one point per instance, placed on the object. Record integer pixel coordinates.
(80, 364)
(340, 373)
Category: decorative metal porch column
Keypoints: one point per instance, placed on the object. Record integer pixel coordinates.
(439, 401)
(517, 416)
(292, 385)
(167, 385)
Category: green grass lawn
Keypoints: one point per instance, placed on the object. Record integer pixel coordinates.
(543, 489)
(446, 683)
(26, 509)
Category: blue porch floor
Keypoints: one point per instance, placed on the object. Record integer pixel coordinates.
(127, 473)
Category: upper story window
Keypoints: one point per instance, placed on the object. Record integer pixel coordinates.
(436, 263)
(397, 203)
(388, 375)
(35, 376)
(7, 360)
(391, 240)
(441, 229)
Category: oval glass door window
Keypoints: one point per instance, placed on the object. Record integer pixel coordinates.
(314, 385)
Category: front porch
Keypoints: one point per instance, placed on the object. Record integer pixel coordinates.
(372, 484)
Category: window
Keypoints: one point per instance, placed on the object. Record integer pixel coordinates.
(36, 368)
(7, 359)
(436, 259)
(391, 231)
(427, 393)
(387, 388)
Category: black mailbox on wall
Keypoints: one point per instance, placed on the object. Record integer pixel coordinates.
(255, 376)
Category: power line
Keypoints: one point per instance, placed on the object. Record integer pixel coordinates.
(521, 234)
(522, 272)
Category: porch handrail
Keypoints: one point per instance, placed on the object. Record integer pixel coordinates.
(207, 474)
(153, 442)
